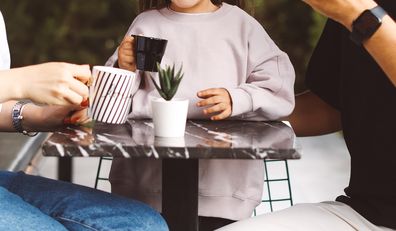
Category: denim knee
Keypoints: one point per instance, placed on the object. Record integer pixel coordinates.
(81, 208)
(17, 215)
(114, 213)
(6, 178)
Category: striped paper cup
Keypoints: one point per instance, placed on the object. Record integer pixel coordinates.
(110, 94)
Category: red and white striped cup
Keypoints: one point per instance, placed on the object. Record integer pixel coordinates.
(110, 94)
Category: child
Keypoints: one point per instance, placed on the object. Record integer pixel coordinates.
(232, 70)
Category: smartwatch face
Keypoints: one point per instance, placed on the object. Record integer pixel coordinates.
(367, 24)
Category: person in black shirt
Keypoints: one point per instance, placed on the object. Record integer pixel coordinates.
(352, 88)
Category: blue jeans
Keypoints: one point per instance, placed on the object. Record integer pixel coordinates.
(37, 203)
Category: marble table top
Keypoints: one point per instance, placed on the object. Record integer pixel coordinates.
(203, 139)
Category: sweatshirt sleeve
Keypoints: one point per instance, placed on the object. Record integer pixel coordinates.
(269, 87)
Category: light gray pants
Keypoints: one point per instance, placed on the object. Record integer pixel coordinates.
(325, 216)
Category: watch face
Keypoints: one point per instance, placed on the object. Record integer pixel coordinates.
(366, 24)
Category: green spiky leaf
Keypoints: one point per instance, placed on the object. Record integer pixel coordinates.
(162, 94)
(168, 81)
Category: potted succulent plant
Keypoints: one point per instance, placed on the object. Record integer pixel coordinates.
(169, 114)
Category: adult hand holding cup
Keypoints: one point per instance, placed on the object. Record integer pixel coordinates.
(50, 83)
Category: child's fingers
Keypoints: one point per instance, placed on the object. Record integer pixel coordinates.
(210, 101)
(225, 114)
(126, 57)
(127, 66)
(210, 92)
(128, 39)
(216, 108)
(125, 45)
(126, 60)
(126, 53)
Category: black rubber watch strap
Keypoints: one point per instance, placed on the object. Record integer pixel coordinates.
(367, 24)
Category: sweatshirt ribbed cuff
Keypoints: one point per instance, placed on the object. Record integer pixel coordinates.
(241, 101)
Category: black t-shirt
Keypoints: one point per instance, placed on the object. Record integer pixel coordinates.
(347, 77)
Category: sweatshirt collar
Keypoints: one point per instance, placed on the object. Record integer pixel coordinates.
(195, 17)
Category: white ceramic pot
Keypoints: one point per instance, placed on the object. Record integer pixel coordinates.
(174, 142)
(169, 117)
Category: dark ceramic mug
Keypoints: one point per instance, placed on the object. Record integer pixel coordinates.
(149, 51)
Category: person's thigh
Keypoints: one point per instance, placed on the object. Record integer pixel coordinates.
(83, 208)
(6, 178)
(17, 215)
(328, 216)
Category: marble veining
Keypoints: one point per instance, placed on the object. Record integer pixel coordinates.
(218, 135)
(116, 144)
(203, 139)
(84, 153)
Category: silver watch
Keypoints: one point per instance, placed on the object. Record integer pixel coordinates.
(17, 118)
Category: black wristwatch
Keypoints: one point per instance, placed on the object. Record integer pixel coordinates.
(367, 24)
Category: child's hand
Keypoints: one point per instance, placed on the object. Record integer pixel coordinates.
(126, 56)
(219, 101)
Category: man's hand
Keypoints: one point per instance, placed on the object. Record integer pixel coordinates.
(218, 100)
(343, 11)
(126, 56)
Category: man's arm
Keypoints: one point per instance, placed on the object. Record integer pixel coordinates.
(381, 46)
(312, 116)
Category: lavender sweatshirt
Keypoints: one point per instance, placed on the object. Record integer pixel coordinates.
(223, 49)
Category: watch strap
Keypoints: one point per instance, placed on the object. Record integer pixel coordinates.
(358, 36)
(379, 12)
(17, 118)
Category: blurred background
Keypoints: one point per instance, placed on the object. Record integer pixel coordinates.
(88, 32)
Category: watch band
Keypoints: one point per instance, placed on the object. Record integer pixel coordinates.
(379, 12)
(367, 24)
(17, 118)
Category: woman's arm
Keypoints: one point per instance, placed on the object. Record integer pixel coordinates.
(42, 118)
(49, 83)
(312, 116)
(381, 46)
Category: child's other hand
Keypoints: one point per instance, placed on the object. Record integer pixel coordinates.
(126, 56)
(218, 100)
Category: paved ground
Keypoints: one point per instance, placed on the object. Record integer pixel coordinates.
(10, 143)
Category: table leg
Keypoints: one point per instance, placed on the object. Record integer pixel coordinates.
(180, 194)
(65, 166)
